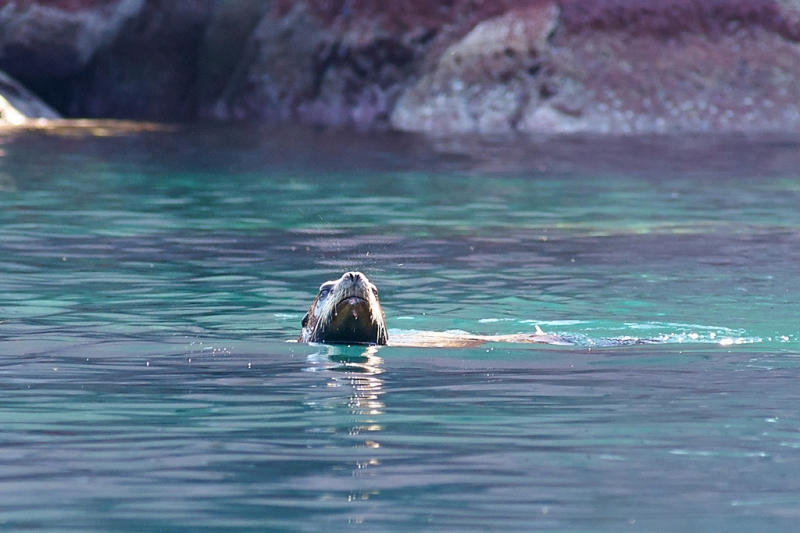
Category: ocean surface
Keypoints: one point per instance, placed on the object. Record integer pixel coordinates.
(151, 283)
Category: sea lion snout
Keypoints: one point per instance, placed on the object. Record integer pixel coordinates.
(352, 281)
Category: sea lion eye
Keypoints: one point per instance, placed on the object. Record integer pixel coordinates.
(304, 323)
(325, 288)
(374, 290)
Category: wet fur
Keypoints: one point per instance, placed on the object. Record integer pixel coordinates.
(320, 323)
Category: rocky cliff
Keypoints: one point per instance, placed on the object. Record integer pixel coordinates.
(451, 66)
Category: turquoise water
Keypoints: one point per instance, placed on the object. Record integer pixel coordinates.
(150, 282)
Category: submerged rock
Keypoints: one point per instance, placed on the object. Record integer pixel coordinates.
(18, 105)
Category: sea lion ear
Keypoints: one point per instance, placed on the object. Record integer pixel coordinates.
(304, 323)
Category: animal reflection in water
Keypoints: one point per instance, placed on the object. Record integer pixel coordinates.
(347, 311)
(353, 389)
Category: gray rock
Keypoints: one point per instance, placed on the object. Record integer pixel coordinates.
(276, 71)
(298, 66)
(40, 41)
(150, 71)
(483, 82)
(224, 43)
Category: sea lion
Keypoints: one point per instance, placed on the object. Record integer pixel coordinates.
(347, 311)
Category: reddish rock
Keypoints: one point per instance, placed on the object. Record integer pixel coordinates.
(668, 18)
(679, 65)
(629, 66)
(742, 80)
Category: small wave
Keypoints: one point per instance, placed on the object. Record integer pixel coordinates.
(678, 333)
(662, 338)
(555, 322)
(597, 333)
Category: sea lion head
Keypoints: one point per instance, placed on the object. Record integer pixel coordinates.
(346, 311)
